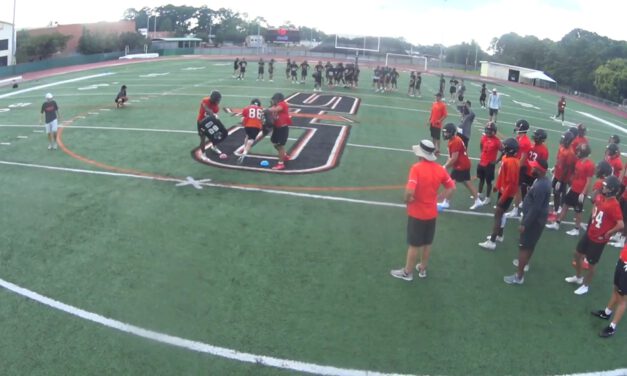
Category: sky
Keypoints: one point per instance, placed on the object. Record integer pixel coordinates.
(423, 22)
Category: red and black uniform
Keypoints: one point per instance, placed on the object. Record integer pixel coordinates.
(606, 214)
(537, 152)
(507, 181)
(461, 167)
(252, 116)
(616, 163)
(524, 146)
(584, 169)
(281, 125)
(208, 124)
(562, 174)
(578, 141)
(490, 146)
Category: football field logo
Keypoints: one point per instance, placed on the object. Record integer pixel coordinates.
(319, 131)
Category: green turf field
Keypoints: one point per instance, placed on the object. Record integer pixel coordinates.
(108, 225)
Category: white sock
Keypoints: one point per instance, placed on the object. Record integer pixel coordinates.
(608, 311)
(612, 325)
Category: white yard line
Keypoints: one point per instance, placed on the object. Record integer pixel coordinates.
(53, 84)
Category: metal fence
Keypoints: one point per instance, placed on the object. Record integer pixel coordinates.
(35, 66)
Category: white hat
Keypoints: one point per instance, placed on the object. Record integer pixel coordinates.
(48, 96)
(425, 149)
(494, 90)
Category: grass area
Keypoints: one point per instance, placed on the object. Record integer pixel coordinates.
(291, 277)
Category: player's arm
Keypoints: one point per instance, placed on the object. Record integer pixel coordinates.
(617, 227)
(449, 188)
(410, 187)
(451, 159)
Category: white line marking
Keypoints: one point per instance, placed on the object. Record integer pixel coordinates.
(190, 181)
(5, 143)
(22, 137)
(615, 126)
(38, 131)
(54, 84)
(92, 113)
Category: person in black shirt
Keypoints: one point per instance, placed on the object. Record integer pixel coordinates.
(261, 69)
(329, 73)
(304, 67)
(242, 68)
(236, 67)
(482, 96)
(417, 84)
(394, 78)
(271, 70)
(411, 91)
(121, 98)
(294, 72)
(50, 111)
(288, 69)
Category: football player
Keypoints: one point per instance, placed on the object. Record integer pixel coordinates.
(252, 119)
(580, 136)
(580, 186)
(417, 84)
(489, 146)
(482, 96)
(506, 186)
(618, 300)
(329, 73)
(612, 156)
(209, 125)
(563, 171)
(304, 67)
(459, 161)
(242, 68)
(288, 69)
(606, 220)
(280, 109)
(121, 98)
(260, 70)
(411, 91)
(236, 67)
(294, 72)
(524, 147)
(271, 70)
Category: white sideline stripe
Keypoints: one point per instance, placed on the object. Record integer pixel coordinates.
(186, 343)
(615, 126)
(54, 84)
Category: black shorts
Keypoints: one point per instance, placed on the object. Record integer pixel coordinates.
(620, 278)
(482, 98)
(562, 189)
(279, 135)
(260, 71)
(572, 199)
(486, 172)
(436, 132)
(525, 179)
(493, 111)
(590, 249)
(251, 132)
(420, 232)
(529, 238)
(460, 176)
(452, 90)
(243, 70)
(506, 204)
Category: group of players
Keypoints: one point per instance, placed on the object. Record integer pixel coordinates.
(257, 122)
(574, 174)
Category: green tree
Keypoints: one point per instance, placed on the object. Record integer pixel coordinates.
(90, 43)
(610, 80)
(134, 41)
(39, 47)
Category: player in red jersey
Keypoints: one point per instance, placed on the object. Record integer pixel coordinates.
(506, 186)
(252, 120)
(538, 151)
(489, 146)
(580, 186)
(563, 171)
(524, 147)
(458, 159)
(612, 155)
(618, 300)
(209, 125)
(580, 136)
(606, 219)
(281, 111)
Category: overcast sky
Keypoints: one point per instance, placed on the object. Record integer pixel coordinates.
(419, 21)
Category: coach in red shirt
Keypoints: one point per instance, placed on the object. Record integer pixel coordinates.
(421, 197)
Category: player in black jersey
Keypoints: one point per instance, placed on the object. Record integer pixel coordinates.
(394, 79)
(288, 69)
(271, 70)
(411, 90)
(294, 72)
(417, 84)
(329, 73)
(304, 67)
(260, 71)
(236, 67)
(242, 68)
(338, 74)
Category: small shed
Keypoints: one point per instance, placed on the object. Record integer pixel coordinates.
(515, 73)
(173, 43)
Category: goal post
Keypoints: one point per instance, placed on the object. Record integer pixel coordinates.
(357, 43)
(408, 59)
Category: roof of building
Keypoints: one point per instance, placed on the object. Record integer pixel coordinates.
(6, 23)
(509, 65)
(186, 39)
(538, 76)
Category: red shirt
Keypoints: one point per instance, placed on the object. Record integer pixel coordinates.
(584, 169)
(507, 181)
(252, 116)
(524, 145)
(538, 151)
(456, 145)
(212, 106)
(490, 147)
(424, 179)
(605, 214)
(283, 115)
(578, 141)
(565, 164)
(623, 254)
(438, 114)
(596, 191)
(616, 163)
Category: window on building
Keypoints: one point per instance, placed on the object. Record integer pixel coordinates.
(4, 44)
(4, 61)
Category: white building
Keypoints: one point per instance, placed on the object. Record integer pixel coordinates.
(514, 73)
(6, 44)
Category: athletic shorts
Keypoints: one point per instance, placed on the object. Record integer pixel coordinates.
(251, 132)
(460, 176)
(279, 135)
(526, 180)
(452, 90)
(52, 126)
(436, 132)
(529, 238)
(572, 199)
(260, 71)
(623, 207)
(493, 111)
(420, 232)
(620, 278)
(590, 249)
(486, 172)
(506, 204)
(562, 189)
(482, 98)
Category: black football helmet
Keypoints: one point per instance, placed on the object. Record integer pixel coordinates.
(521, 126)
(603, 170)
(277, 97)
(611, 186)
(574, 131)
(510, 147)
(256, 102)
(583, 151)
(490, 129)
(567, 139)
(615, 139)
(449, 131)
(539, 135)
(581, 130)
(612, 149)
(215, 97)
